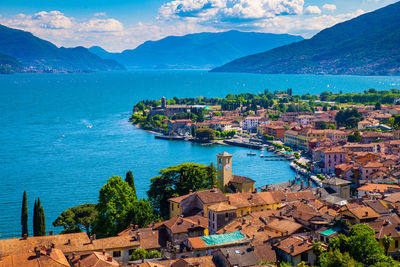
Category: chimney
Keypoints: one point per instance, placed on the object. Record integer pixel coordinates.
(94, 236)
(104, 252)
(136, 227)
(198, 221)
(25, 236)
(190, 191)
(131, 226)
(109, 259)
(366, 214)
(291, 248)
(50, 232)
(69, 242)
(302, 184)
(91, 239)
(37, 252)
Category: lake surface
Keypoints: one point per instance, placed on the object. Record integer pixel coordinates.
(48, 150)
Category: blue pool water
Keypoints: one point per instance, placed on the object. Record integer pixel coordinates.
(48, 150)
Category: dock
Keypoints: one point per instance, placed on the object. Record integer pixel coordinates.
(243, 144)
(171, 137)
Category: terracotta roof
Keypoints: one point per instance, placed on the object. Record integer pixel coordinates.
(297, 196)
(205, 261)
(238, 200)
(373, 164)
(241, 179)
(179, 224)
(265, 253)
(393, 198)
(362, 212)
(284, 226)
(294, 245)
(221, 207)
(29, 259)
(379, 188)
(93, 259)
(211, 196)
(224, 154)
(78, 242)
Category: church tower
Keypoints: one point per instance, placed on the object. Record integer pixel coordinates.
(163, 102)
(224, 165)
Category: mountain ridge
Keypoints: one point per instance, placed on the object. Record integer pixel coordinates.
(365, 45)
(197, 50)
(38, 54)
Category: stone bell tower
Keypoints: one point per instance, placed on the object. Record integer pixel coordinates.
(224, 165)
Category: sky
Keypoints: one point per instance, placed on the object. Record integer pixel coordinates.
(117, 25)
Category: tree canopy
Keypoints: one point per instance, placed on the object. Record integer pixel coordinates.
(348, 118)
(77, 219)
(118, 207)
(179, 180)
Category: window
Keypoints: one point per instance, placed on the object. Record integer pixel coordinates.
(116, 254)
(396, 243)
(304, 257)
(172, 206)
(226, 215)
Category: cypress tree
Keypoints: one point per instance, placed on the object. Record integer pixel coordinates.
(130, 180)
(35, 219)
(42, 222)
(24, 215)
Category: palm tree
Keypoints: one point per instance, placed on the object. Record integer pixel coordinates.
(386, 241)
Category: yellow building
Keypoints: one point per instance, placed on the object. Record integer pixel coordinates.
(305, 135)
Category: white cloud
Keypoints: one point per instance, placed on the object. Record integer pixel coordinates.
(114, 36)
(101, 25)
(311, 10)
(226, 10)
(329, 7)
(100, 14)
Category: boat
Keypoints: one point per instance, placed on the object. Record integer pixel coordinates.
(251, 153)
(89, 126)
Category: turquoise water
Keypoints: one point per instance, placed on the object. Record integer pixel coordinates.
(47, 149)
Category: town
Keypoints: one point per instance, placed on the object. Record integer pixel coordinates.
(341, 208)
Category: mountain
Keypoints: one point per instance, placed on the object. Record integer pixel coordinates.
(9, 64)
(36, 53)
(366, 45)
(197, 51)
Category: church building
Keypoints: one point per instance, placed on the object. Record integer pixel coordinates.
(228, 181)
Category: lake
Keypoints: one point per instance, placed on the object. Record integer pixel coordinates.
(48, 150)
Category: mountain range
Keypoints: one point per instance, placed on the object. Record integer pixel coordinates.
(366, 45)
(197, 51)
(24, 49)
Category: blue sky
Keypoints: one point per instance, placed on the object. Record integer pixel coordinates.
(122, 24)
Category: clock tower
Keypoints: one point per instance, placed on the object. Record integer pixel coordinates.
(224, 165)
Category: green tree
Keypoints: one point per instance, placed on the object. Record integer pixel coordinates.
(378, 106)
(39, 220)
(141, 214)
(77, 219)
(176, 181)
(354, 137)
(318, 249)
(139, 254)
(348, 118)
(116, 199)
(130, 180)
(118, 207)
(386, 241)
(24, 215)
(205, 134)
(363, 246)
(35, 219)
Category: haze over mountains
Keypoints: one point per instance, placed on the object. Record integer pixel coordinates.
(366, 45)
(197, 51)
(23, 48)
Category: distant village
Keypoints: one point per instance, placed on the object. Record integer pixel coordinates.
(347, 165)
